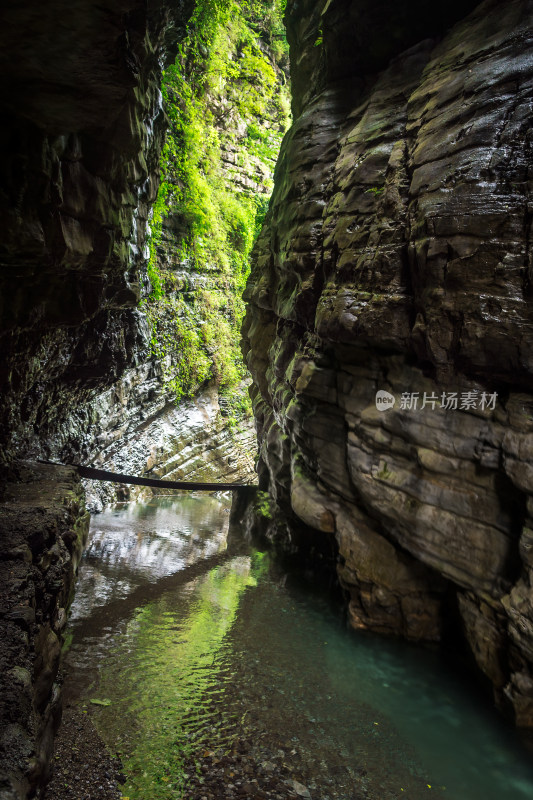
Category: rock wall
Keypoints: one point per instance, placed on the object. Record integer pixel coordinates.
(396, 257)
(183, 410)
(82, 135)
(191, 441)
(82, 129)
(43, 526)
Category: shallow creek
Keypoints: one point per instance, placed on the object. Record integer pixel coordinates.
(194, 648)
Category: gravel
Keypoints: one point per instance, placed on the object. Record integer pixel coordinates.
(82, 768)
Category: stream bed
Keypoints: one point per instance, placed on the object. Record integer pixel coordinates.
(214, 673)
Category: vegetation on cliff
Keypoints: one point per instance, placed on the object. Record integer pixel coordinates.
(227, 102)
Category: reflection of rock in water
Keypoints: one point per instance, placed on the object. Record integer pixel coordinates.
(145, 547)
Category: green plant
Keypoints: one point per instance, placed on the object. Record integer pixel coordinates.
(226, 100)
(375, 190)
(385, 473)
(263, 505)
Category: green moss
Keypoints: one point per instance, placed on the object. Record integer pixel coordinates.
(226, 99)
(264, 505)
(375, 190)
(236, 405)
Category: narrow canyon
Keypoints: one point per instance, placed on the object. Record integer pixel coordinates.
(378, 273)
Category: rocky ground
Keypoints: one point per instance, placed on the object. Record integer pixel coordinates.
(253, 768)
(43, 524)
(82, 768)
(254, 772)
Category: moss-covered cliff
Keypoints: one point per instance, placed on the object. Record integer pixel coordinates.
(396, 258)
(227, 101)
(139, 306)
(116, 299)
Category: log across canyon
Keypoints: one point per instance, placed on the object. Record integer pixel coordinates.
(390, 320)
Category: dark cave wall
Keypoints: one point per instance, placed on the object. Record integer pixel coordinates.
(396, 256)
(81, 133)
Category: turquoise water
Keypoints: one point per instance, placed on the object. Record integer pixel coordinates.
(194, 646)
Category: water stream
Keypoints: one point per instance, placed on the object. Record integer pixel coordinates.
(192, 647)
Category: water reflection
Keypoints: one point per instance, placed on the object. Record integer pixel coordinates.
(196, 647)
(142, 543)
(163, 677)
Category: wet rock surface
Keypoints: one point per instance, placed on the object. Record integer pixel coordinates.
(82, 132)
(395, 257)
(43, 524)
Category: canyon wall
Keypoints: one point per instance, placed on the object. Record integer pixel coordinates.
(82, 129)
(111, 313)
(396, 258)
(191, 441)
(183, 410)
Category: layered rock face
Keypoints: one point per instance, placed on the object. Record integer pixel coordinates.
(81, 136)
(83, 132)
(396, 257)
(191, 441)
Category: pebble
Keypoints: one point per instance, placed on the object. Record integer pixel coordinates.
(300, 789)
